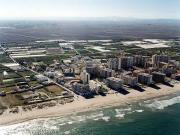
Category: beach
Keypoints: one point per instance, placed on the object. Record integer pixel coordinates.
(82, 105)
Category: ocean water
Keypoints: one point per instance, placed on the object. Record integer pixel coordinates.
(153, 117)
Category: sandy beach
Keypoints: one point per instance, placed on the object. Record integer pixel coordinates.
(82, 105)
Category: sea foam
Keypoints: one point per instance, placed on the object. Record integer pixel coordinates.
(106, 118)
(120, 113)
(161, 104)
(139, 111)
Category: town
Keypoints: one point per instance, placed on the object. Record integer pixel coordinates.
(46, 73)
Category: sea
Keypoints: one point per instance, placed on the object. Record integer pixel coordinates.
(152, 117)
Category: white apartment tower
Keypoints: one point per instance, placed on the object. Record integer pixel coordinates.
(85, 77)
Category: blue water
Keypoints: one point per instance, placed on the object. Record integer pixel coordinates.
(153, 117)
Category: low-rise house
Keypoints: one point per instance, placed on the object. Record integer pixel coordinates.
(69, 72)
(50, 74)
(41, 78)
(58, 74)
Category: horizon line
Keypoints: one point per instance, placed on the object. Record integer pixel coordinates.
(104, 18)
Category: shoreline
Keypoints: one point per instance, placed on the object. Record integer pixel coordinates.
(85, 105)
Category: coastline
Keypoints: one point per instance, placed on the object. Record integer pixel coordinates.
(84, 105)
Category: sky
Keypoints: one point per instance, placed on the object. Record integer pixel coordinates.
(158, 9)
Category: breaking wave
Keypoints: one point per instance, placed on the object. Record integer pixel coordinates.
(51, 124)
(65, 125)
(161, 104)
(120, 113)
(139, 111)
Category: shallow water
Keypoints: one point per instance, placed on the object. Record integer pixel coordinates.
(153, 117)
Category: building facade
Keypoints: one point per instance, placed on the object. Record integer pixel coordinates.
(85, 77)
(158, 77)
(130, 80)
(106, 72)
(145, 78)
(156, 59)
(115, 83)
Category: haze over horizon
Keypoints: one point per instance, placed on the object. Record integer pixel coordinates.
(48, 9)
